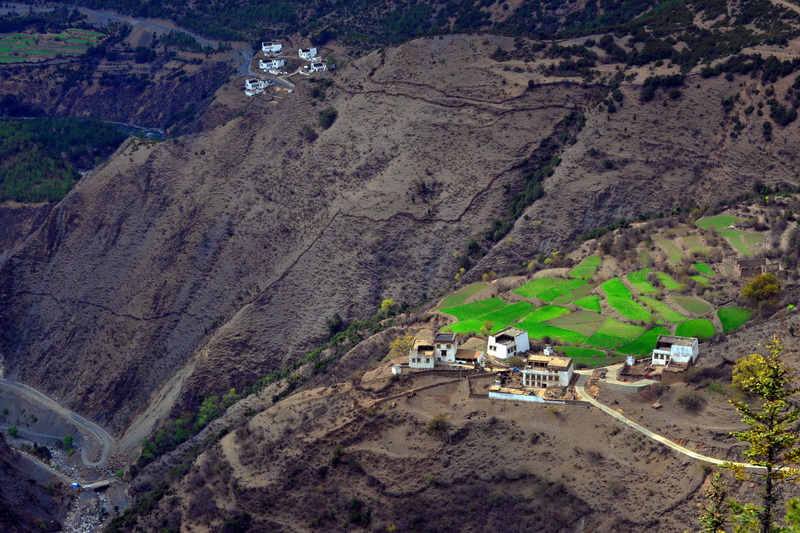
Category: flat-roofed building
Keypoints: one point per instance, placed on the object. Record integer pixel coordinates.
(508, 343)
(543, 371)
(671, 349)
(423, 352)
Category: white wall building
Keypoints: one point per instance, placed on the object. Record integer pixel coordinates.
(508, 343)
(307, 53)
(446, 347)
(271, 64)
(318, 67)
(671, 349)
(255, 86)
(544, 371)
(423, 352)
(271, 47)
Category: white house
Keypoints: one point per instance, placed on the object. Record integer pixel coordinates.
(671, 349)
(544, 371)
(271, 64)
(423, 352)
(318, 67)
(508, 343)
(271, 47)
(255, 86)
(307, 53)
(446, 347)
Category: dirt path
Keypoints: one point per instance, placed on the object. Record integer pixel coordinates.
(787, 5)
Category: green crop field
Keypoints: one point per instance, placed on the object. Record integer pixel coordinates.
(463, 294)
(586, 268)
(542, 330)
(644, 343)
(668, 282)
(704, 269)
(702, 328)
(730, 232)
(673, 252)
(588, 357)
(702, 280)
(639, 280)
(575, 294)
(551, 294)
(693, 243)
(692, 305)
(11, 59)
(585, 322)
(546, 312)
(612, 334)
(592, 303)
(500, 318)
(740, 246)
(473, 310)
(537, 286)
(644, 257)
(615, 287)
(662, 309)
(630, 309)
(717, 222)
(733, 317)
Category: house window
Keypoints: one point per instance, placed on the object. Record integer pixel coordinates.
(427, 359)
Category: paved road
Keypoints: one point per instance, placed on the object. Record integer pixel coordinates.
(84, 425)
(579, 387)
(115, 17)
(247, 71)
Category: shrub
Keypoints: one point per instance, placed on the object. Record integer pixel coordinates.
(327, 117)
(692, 401)
(438, 425)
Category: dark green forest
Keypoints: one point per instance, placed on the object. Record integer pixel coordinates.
(40, 158)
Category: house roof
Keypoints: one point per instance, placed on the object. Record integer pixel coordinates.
(468, 355)
(513, 332)
(680, 341)
(553, 362)
(749, 263)
(445, 337)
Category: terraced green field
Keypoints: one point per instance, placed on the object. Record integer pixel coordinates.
(586, 268)
(704, 269)
(733, 317)
(692, 305)
(500, 319)
(615, 287)
(463, 294)
(693, 243)
(630, 309)
(613, 334)
(473, 310)
(644, 257)
(644, 343)
(585, 322)
(674, 253)
(639, 281)
(551, 294)
(547, 312)
(730, 232)
(668, 282)
(717, 222)
(544, 331)
(575, 294)
(587, 357)
(754, 240)
(665, 311)
(740, 246)
(537, 286)
(592, 303)
(702, 328)
(702, 280)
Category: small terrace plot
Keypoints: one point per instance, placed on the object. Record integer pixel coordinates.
(463, 294)
(537, 286)
(614, 287)
(668, 282)
(733, 317)
(575, 294)
(702, 328)
(673, 252)
(717, 222)
(644, 343)
(551, 294)
(692, 305)
(474, 310)
(692, 243)
(639, 281)
(585, 322)
(630, 309)
(665, 311)
(592, 303)
(586, 269)
(546, 312)
(613, 334)
(544, 331)
(704, 269)
(500, 318)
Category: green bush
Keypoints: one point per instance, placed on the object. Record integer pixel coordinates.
(327, 117)
(691, 400)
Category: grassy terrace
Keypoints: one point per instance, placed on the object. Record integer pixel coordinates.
(704, 269)
(644, 343)
(668, 282)
(717, 222)
(500, 318)
(592, 303)
(584, 322)
(615, 288)
(692, 305)
(575, 294)
(673, 252)
(702, 328)
(538, 286)
(560, 290)
(473, 310)
(733, 317)
(612, 334)
(463, 294)
(639, 281)
(665, 311)
(586, 269)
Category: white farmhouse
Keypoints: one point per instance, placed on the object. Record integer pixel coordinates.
(255, 86)
(671, 349)
(318, 67)
(544, 371)
(423, 352)
(307, 53)
(508, 343)
(271, 64)
(446, 347)
(271, 47)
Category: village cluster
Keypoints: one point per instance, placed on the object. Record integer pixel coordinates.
(543, 377)
(274, 62)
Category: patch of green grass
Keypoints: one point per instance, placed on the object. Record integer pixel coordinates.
(702, 280)
(692, 242)
(612, 334)
(11, 59)
(586, 268)
(90, 32)
(733, 317)
(644, 343)
(674, 253)
(639, 281)
(692, 305)
(546, 312)
(644, 257)
(753, 240)
(704, 269)
(717, 222)
(737, 243)
(463, 294)
(575, 294)
(630, 309)
(474, 309)
(537, 286)
(500, 318)
(585, 322)
(615, 287)
(540, 330)
(551, 294)
(592, 303)
(577, 351)
(668, 282)
(665, 311)
(702, 328)
(730, 232)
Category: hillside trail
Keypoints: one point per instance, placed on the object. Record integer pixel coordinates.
(787, 5)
